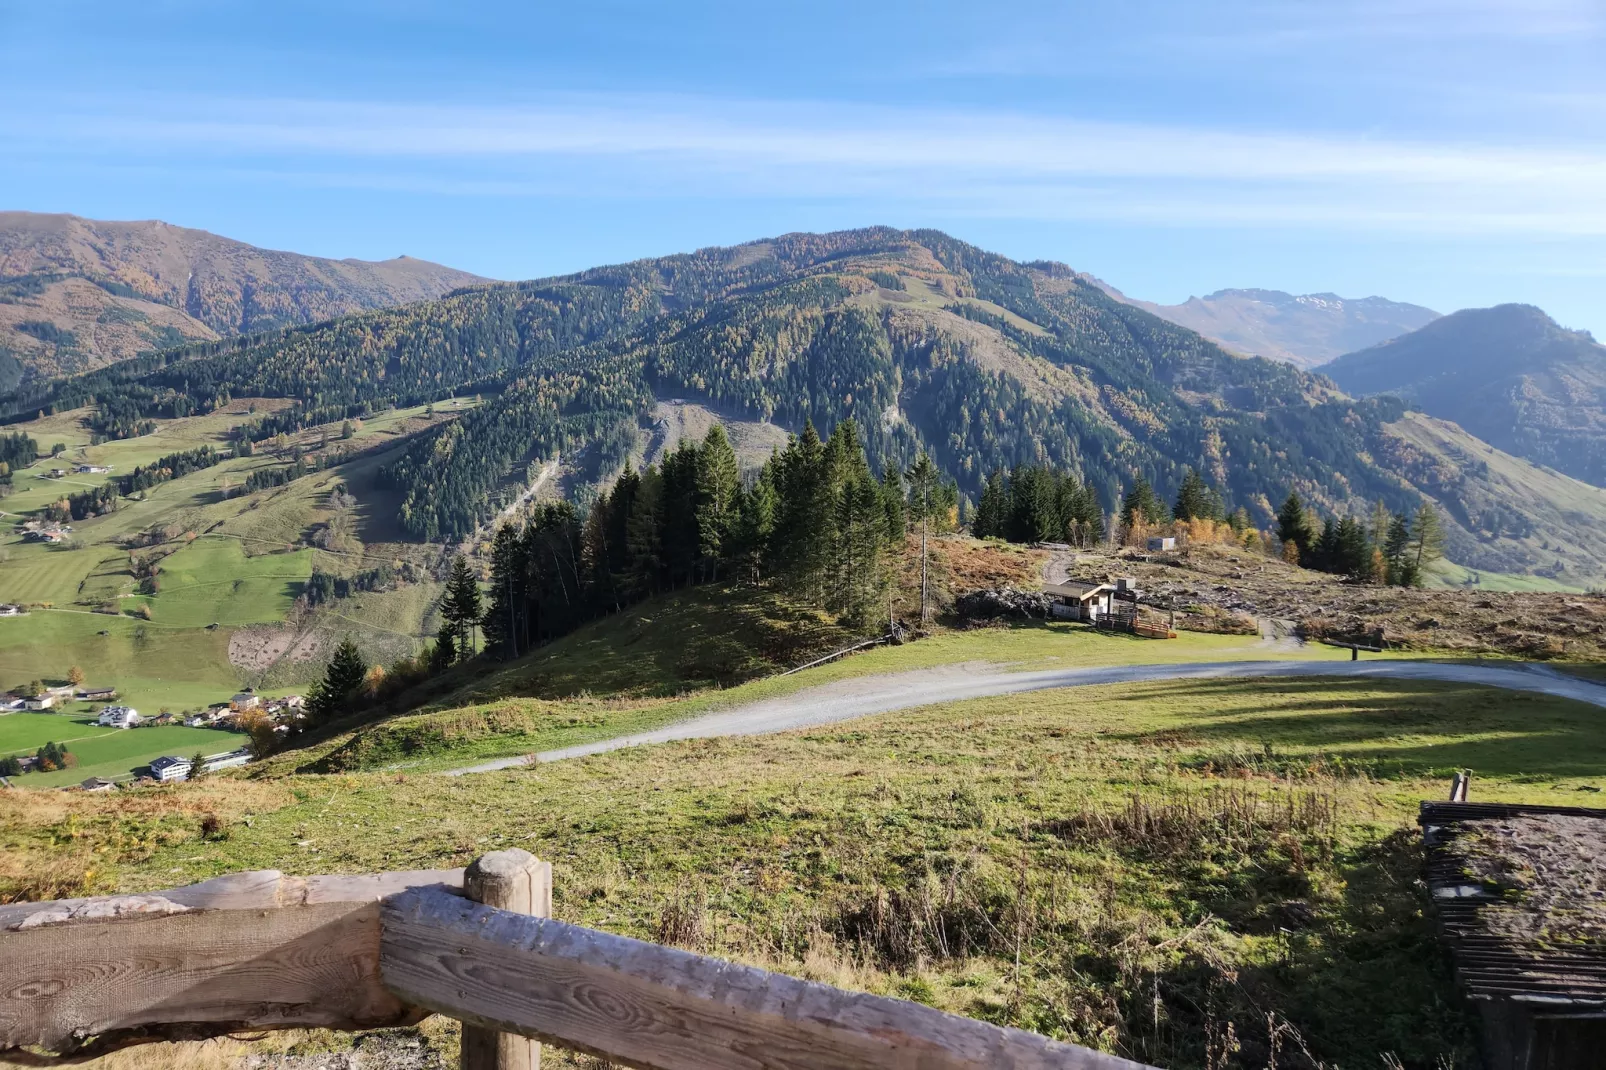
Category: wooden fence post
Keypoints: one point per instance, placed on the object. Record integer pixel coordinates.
(518, 882)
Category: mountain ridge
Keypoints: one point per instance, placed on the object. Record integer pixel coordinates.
(77, 293)
(925, 341)
(1509, 374)
(1306, 330)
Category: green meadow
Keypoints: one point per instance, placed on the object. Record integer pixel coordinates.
(104, 752)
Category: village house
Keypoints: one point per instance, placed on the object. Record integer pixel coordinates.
(9, 609)
(168, 768)
(93, 469)
(118, 717)
(245, 700)
(11, 703)
(41, 702)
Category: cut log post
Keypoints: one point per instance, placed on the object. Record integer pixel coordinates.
(658, 1008)
(244, 952)
(517, 882)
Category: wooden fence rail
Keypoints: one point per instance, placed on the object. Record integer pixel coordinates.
(257, 951)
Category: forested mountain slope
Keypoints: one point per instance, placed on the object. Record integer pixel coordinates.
(1304, 329)
(925, 341)
(79, 293)
(1509, 374)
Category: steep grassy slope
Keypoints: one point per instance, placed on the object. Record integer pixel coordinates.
(78, 293)
(228, 565)
(1304, 330)
(1509, 375)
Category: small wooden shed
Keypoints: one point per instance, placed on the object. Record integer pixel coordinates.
(1083, 600)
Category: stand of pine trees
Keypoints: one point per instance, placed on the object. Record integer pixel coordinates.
(1038, 504)
(1393, 548)
(815, 522)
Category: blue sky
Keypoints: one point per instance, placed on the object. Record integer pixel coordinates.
(1448, 152)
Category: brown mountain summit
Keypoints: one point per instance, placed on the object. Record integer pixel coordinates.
(77, 294)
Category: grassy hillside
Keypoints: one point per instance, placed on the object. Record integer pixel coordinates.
(1510, 515)
(1129, 867)
(81, 293)
(227, 563)
(1510, 375)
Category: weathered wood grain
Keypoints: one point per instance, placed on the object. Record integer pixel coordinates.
(249, 951)
(517, 882)
(649, 1006)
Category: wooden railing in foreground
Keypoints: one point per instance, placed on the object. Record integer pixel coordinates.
(259, 951)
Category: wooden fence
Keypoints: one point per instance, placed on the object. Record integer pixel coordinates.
(261, 951)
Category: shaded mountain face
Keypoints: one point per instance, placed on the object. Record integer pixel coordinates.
(1304, 330)
(1509, 375)
(76, 294)
(924, 341)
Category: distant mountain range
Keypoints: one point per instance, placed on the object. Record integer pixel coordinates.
(1305, 330)
(925, 341)
(1509, 374)
(76, 294)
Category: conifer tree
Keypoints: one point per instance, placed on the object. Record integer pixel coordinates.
(461, 604)
(1401, 568)
(1294, 527)
(341, 682)
(1427, 540)
(1141, 505)
(718, 480)
(988, 522)
(922, 485)
(1195, 499)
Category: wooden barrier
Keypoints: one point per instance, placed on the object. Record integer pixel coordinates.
(258, 951)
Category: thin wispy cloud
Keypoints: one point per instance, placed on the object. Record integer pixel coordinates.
(989, 163)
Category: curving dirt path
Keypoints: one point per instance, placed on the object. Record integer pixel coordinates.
(862, 696)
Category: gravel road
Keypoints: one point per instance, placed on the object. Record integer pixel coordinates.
(865, 695)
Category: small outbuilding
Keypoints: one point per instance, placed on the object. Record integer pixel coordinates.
(96, 783)
(1083, 600)
(1162, 542)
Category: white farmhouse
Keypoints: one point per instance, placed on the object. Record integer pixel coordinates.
(118, 717)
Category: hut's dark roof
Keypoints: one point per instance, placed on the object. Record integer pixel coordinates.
(1520, 895)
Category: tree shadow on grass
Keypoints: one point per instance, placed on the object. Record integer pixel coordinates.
(1419, 727)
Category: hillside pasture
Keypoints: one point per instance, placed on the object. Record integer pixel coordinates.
(1130, 867)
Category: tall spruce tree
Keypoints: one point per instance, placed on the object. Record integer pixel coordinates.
(991, 508)
(460, 605)
(719, 478)
(1195, 499)
(1400, 567)
(342, 680)
(923, 485)
(1141, 505)
(1295, 527)
(1427, 540)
